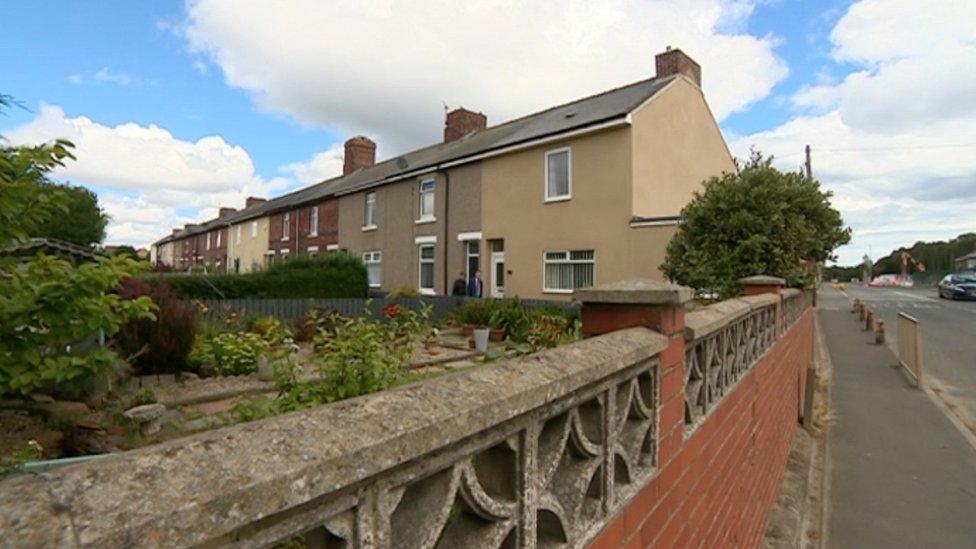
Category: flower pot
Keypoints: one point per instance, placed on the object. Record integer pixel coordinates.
(481, 339)
(496, 335)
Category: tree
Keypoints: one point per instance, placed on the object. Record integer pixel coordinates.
(82, 222)
(757, 221)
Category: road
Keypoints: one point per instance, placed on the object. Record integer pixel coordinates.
(948, 340)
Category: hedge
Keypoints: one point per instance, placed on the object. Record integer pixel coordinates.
(328, 276)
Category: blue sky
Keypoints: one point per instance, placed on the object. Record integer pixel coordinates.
(180, 107)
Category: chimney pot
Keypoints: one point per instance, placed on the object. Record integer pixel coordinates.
(674, 61)
(360, 153)
(461, 122)
(224, 212)
(252, 200)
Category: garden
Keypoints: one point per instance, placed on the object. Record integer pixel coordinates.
(175, 372)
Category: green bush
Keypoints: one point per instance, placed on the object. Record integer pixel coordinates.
(144, 396)
(360, 357)
(513, 319)
(47, 307)
(229, 353)
(271, 330)
(324, 276)
(403, 291)
(476, 312)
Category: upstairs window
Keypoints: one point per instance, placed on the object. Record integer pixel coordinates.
(254, 229)
(427, 200)
(208, 241)
(559, 175)
(374, 266)
(313, 222)
(285, 225)
(218, 238)
(566, 271)
(369, 213)
(238, 236)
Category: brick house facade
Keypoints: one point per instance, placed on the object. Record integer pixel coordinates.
(311, 229)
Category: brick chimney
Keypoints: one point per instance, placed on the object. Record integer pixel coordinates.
(224, 212)
(176, 231)
(461, 122)
(189, 226)
(674, 61)
(252, 200)
(360, 153)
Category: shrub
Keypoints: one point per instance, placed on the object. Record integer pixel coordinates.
(547, 331)
(361, 357)
(513, 319)
(403, 291)
(328, 276)
(47, 307)
(229, 353)
(307, 327)
(160, 345)
(476, 312)
(144, 396)
(271, 330)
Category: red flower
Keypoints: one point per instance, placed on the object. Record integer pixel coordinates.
(392, 310)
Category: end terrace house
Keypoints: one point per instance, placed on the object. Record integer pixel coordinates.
(586, 192)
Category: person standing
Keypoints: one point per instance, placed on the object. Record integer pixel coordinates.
(475, 286)
(460, 286)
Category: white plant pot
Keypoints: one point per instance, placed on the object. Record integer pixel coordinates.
(481, 339)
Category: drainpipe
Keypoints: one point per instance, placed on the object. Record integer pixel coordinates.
(447, 217)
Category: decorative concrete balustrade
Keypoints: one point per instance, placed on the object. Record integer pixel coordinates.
(541, 451)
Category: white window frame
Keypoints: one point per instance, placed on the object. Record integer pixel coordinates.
(254, 229)
(285, 225)
(313, 222)
(369, 213)
(569, 175)
(208, 241)
(332, 248)
(238, 235)
(468, 255)
(427, 217)
(218, 238)
(374, 257)
(420, 267)
(312, 250)
(546, 261)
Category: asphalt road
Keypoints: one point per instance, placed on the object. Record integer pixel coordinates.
(948, 340)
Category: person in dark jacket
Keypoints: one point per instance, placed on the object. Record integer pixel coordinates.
(476, 288)
(460, 286)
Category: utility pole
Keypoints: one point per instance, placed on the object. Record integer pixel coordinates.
(807, 165)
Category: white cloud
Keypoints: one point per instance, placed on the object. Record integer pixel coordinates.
(324, 165)
(107, 76)
(383, 69)
(163, 172)
(894, 140)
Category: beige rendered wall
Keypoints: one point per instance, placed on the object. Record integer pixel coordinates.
(397, 213)
(597, 216)
(676, 146)
(251, 251)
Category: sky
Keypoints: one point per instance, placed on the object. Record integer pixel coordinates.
(178, 108)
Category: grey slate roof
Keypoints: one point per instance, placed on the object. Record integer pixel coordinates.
(578, 114)
(51, 246)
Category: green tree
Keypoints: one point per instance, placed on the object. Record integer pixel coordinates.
(82, 222)
(757, 221)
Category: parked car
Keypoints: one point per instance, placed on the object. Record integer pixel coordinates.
(958, 286)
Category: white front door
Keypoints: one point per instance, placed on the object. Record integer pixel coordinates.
(497, 274)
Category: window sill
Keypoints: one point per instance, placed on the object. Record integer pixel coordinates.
(425, 291)
(558, 199)
(367, 228)
(313, 235)
(375, 285)
(425, 220)
(564, 292)
(284, 239)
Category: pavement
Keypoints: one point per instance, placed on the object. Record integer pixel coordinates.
(948, 340)
(900, 471)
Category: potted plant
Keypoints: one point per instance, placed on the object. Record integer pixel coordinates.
(475, 314)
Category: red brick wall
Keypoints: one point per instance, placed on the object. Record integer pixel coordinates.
(328, 228)
(716, 488)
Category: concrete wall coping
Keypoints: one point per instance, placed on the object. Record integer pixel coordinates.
(762, 280)
(202, 488)
(791, 292)
(640, 291)
(710, 319)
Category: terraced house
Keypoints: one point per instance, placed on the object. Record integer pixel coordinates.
(585, 192)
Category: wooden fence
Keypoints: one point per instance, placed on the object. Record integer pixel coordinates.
(288, 309)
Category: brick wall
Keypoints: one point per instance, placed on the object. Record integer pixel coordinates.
(715, 488)
(300, 220)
